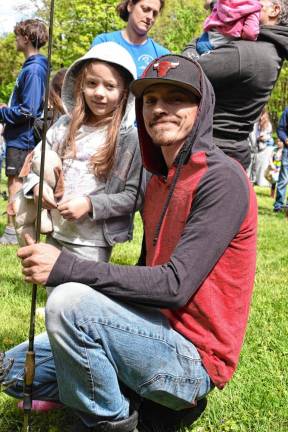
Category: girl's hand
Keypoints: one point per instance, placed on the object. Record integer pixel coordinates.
(48, 201)
(75, 208)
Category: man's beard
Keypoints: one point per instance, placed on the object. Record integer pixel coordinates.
(163, 138)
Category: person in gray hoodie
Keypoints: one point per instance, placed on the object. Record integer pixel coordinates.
(243, 74)
(98, 144)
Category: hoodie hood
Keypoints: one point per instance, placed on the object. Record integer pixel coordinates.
(37, 59)
(200, 137)
(109, 52)
(278, 35)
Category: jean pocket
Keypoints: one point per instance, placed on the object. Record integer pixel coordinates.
(172, 391)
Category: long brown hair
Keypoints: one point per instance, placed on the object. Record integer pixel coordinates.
(55, 88)
(102, 161)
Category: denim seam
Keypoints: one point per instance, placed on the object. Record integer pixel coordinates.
(90, 379)
(21, 374)
(124, 329)
(193, 381)
(128, 330)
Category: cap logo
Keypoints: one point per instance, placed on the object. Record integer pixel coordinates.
(164, 67)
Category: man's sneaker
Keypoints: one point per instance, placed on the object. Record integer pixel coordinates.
(157, 418)
(127, 425)
(9, 236)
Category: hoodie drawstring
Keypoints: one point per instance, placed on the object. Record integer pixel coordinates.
(130, 228)
(181, 162)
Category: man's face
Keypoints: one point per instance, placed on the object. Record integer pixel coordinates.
(169, 114)
(21, 42)
(269, 12)
(142, 15)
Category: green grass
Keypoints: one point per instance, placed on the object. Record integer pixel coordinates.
(257, 397)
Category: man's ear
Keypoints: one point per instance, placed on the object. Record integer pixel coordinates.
(275, 11)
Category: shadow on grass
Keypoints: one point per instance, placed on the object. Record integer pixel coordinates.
(264, 211)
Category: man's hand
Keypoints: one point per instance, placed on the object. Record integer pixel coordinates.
(3, 105)
(75, 208)
(48, 201)
(37, 260)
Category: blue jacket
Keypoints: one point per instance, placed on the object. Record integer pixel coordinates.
(26, 103)
(282, 130)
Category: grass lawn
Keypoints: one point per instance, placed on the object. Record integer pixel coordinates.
(256, 399)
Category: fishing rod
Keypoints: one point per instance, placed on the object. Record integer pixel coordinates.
(29, 370)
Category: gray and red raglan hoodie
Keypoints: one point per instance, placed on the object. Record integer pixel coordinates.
(200, 220)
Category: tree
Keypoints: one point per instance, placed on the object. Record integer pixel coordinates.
(10, 63)
(76, 22)
(180, 22)
(279, 98)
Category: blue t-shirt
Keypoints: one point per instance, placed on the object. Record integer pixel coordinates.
(142, 54)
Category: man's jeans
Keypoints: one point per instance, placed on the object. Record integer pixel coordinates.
(282, 182)
(97, 343)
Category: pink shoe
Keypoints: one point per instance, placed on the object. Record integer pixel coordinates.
(42, 406)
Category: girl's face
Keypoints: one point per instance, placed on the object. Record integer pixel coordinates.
(102, 88)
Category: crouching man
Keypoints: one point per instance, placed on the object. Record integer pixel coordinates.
(171, 329)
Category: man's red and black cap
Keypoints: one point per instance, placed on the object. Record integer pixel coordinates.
(172, 69)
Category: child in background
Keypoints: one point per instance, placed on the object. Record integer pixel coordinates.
(55, 106)
(230, 19)
(55, 91)
(273, 169)
(98, 145)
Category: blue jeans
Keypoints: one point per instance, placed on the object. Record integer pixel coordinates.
(282, 181)
(99, 343)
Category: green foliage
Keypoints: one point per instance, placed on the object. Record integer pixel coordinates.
(76, 23)
(10, 63)
(279, 97)
(180, 22)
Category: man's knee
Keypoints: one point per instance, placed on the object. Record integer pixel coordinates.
(64, 296)
(72, 303)
(68, 302)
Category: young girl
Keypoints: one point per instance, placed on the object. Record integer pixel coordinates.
(230, 19)
(98, 145)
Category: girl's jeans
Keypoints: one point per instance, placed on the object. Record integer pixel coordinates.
(96, 342)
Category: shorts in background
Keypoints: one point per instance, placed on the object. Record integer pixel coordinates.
(14, 161)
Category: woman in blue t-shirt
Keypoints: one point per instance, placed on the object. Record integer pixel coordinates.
(140, 16)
